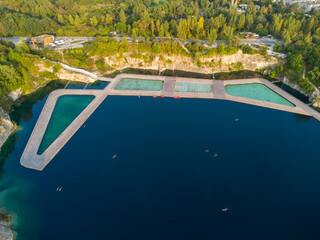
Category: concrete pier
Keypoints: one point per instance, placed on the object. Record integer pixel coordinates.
(168, 87)
(31, 159)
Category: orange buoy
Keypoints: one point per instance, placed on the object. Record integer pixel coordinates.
(162, 96)
(155, 96)
(176, 97)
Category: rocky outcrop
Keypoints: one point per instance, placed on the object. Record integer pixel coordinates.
(6, 232)
(6, 127)
(15, 94)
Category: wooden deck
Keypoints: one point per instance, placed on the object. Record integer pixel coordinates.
(31, 159)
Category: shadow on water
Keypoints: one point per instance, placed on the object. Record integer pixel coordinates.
(94, 85)
(6, 149)
(22, 111)
(178, 73)
(133, 71)
(302, 118)
(14, 188)
(293, 92)
(22, 108)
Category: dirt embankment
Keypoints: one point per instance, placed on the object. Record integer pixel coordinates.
(65, 74)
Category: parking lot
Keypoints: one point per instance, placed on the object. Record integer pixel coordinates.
(69, 42)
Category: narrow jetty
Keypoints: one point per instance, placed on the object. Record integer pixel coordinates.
(32, 160)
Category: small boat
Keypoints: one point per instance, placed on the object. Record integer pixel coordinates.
(114, 156)
(224, 209)
(162, 96)
(207, 150)
(176, 97)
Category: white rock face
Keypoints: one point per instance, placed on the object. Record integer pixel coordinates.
(6, 127)
(185, 63)
(15, 94)
(6, 233)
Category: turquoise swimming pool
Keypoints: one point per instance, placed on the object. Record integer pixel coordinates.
(139, 84)
(193, 87)
(257, 91)
(66, 110)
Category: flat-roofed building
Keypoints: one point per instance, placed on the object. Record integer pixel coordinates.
(42, 40)
(249, 35)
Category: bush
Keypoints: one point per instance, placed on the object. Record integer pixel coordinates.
(238, 66)
(57, 67)
(155, 48)
(47, 63)
(100, 63)
(49, 75)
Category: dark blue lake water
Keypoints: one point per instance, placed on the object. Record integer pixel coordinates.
(163, 184)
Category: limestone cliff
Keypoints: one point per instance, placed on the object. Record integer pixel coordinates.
(207, 65)
(6, 127)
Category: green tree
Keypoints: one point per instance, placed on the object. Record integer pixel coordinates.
(122, 16)
(155, 48)
(212, 36)
(60, 19)
(241, 22)
(228, 33)
(134, 35)
(71, 20)
(94, 21)
(161, 32)
(221, 48)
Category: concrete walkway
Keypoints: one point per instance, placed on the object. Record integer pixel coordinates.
(31, 159)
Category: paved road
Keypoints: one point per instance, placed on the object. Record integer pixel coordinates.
(80, 40)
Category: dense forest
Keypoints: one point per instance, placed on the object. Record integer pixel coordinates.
(194, 19)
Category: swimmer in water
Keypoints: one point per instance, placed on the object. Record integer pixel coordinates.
(225, 209)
